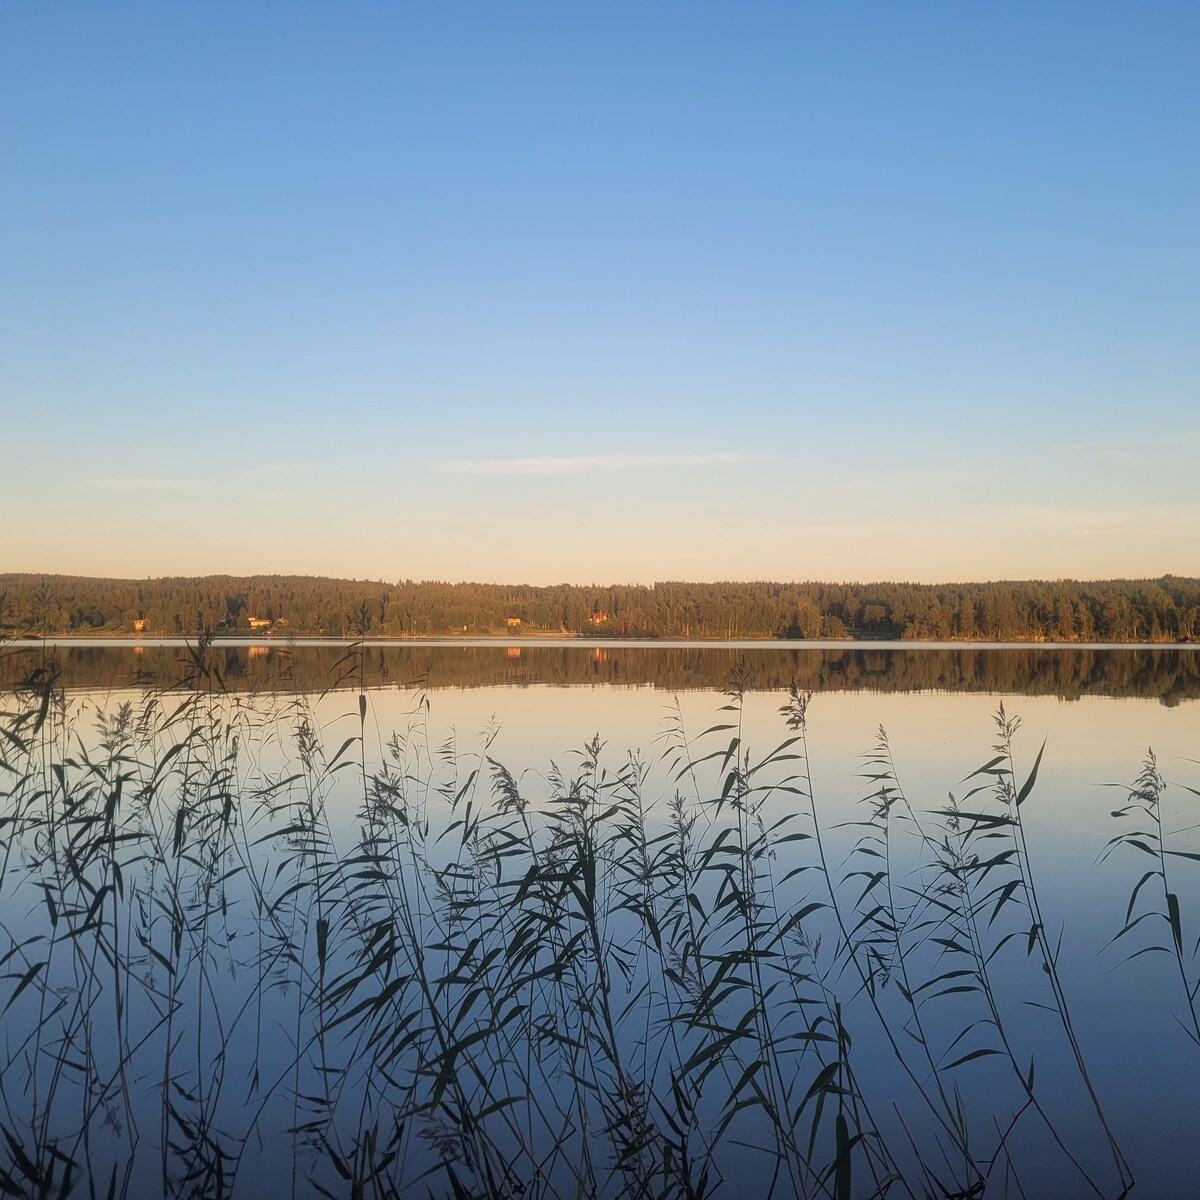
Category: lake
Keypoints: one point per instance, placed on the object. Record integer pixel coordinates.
(502, 919)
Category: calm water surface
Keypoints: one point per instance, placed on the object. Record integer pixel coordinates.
(202, 1042)
(1169, 674)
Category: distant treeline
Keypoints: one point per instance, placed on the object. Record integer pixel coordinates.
(1115, 610)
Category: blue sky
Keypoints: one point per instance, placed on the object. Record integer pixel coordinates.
(600, 293)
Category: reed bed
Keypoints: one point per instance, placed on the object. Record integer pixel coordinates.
(245, 945)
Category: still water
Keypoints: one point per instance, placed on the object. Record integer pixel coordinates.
(549, 920)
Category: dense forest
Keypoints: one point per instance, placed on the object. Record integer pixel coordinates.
(1117, 610)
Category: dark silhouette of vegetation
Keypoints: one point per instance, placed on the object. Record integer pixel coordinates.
(1120, 610)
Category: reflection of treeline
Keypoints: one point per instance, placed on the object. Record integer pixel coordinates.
(1167, 674)
(1120, 610)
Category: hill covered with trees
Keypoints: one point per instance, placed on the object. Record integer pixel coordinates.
(1117, 610)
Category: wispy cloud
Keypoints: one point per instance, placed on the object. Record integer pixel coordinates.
(146, 483)
(273, 470)
(1143, 520)
(1137, 446)
(573, 464)
(275, 495)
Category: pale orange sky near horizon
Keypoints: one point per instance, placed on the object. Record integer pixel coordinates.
(612, 524)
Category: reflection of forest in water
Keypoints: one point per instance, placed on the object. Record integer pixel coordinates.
(1169, 675)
